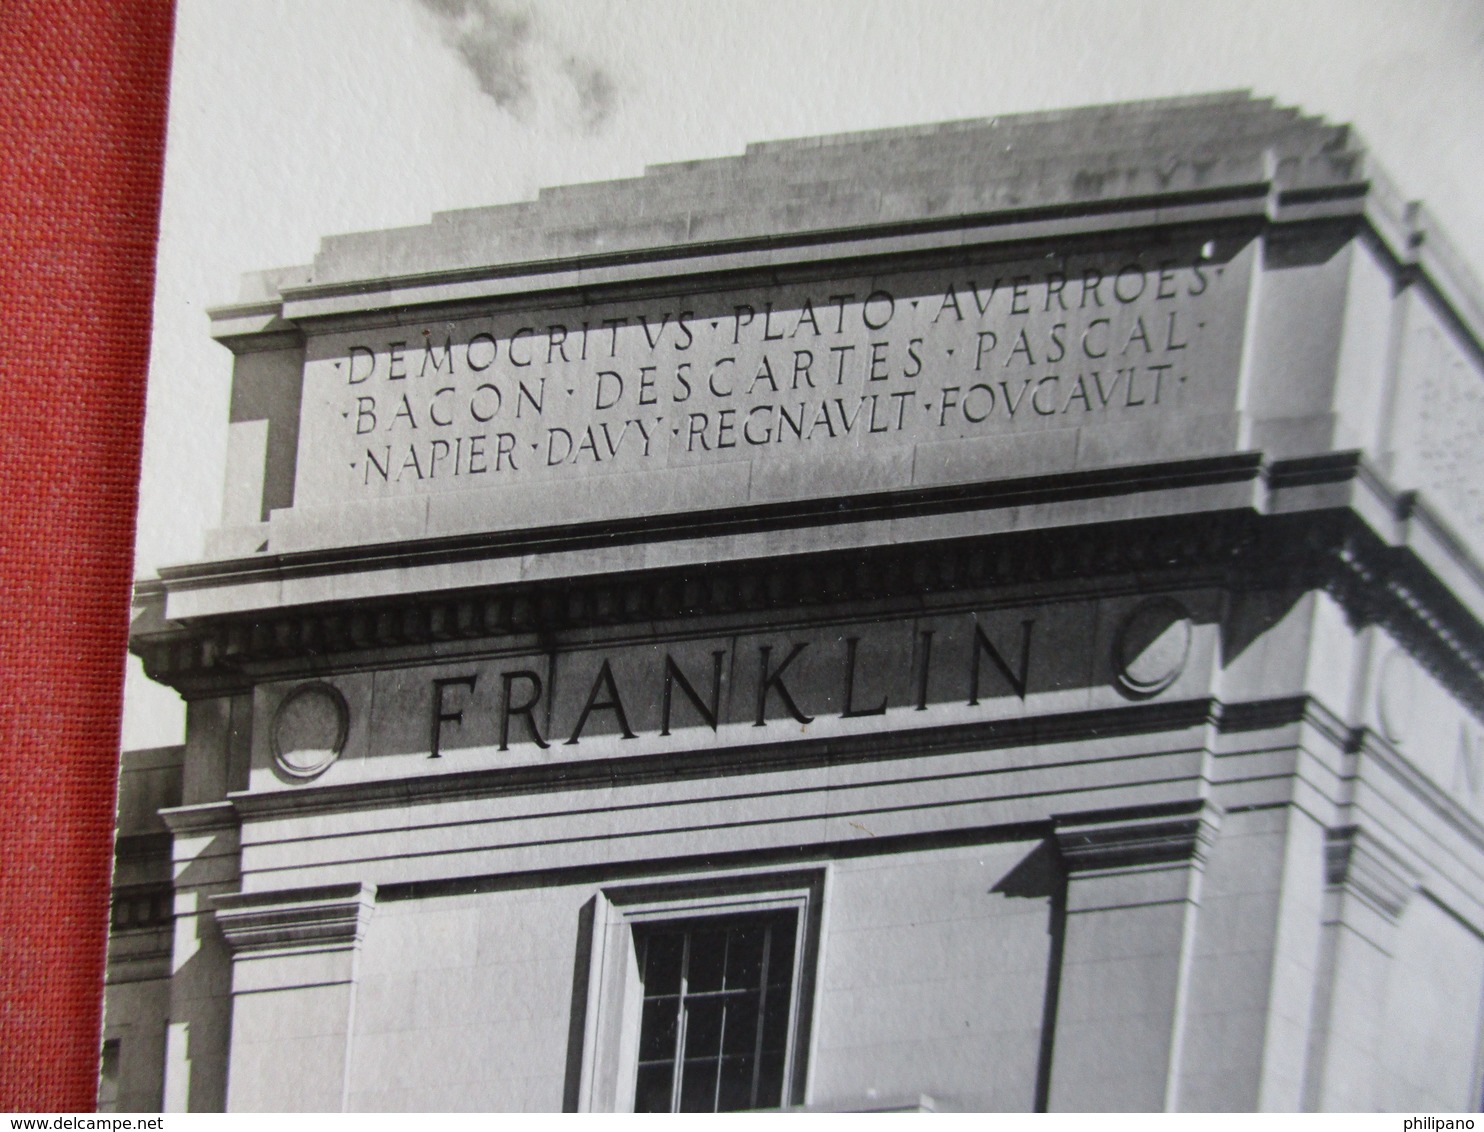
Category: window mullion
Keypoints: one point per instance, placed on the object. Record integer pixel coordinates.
(721, 1038)
(679, 1071)
(762, 1008)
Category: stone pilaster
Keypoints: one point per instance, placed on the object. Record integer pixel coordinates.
(1133, 887)
(293, 994)
(1368, 887)
(205, 862)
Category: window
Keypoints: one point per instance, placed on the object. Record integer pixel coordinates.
(713, 1034)
(108, 1076)
(699, 994)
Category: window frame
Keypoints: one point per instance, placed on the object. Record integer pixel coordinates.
(615, 990)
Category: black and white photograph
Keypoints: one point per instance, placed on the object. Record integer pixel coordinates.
(826, 556)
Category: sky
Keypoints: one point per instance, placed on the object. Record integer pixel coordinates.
(291, 120)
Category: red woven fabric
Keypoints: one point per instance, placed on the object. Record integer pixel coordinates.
(82, 118)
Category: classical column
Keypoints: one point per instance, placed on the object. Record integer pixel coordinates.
(1368, 889)
(1133, 887)
(293, 994)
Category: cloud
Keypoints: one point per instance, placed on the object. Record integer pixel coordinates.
(520, 65)
(595, 89)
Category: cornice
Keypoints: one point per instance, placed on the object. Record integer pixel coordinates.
(323, 918)
(1125, 839)
(1387, 586)
(203, 656)
(206, 817)
(1261, 715)
(1357, 863)
(716, 523)
(703, 264)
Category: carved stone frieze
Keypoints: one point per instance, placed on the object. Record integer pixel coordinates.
(1328, 550)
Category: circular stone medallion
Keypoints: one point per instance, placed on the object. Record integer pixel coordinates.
(1151, 647)
(1396, 696)
(309, 730)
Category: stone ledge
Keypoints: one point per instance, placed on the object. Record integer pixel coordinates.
(299, 919)
(1118, 840)
(1356, 862)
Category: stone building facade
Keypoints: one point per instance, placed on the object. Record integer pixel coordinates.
(984, 616)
